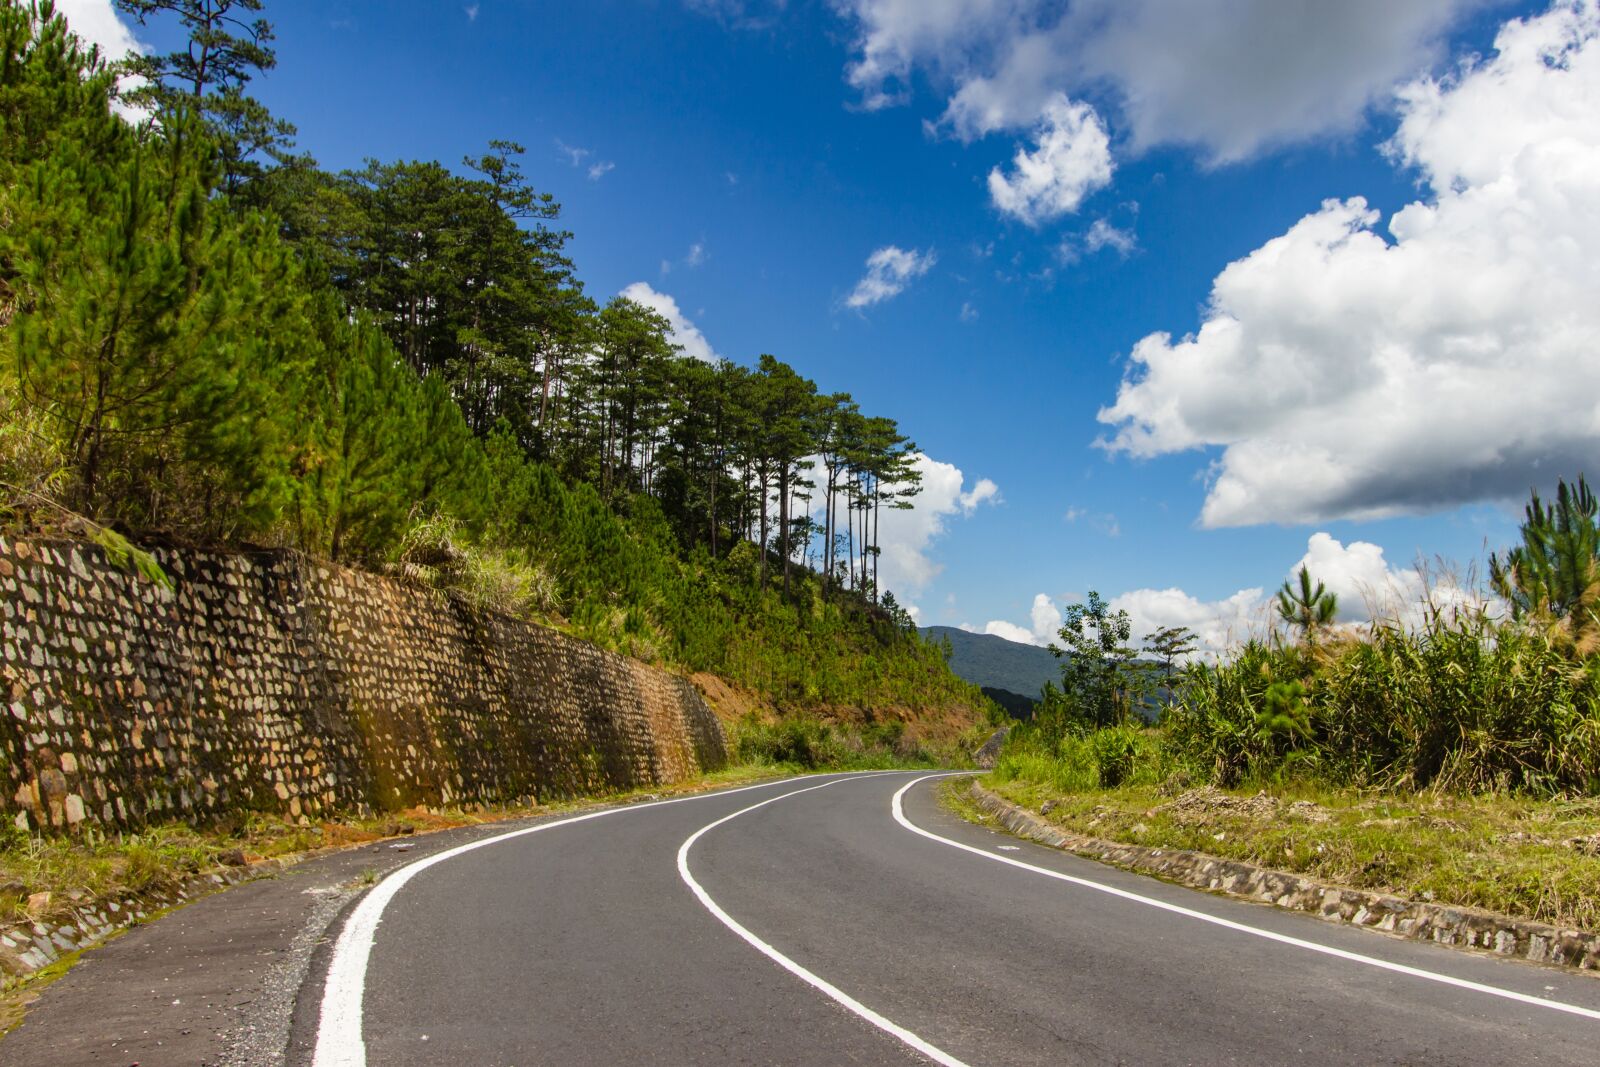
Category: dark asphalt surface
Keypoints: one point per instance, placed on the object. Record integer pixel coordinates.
(582, 945)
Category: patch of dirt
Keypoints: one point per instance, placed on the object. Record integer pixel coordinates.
(943, 725)
(730, 704)
(1199, 806)
(1309, 812)
(421, 819)
(1589, 844)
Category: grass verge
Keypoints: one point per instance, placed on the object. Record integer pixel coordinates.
(1529, 858)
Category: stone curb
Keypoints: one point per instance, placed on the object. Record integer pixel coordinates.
(28, 947)
(1419, 920)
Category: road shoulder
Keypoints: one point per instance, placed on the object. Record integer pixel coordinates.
(1469, 928)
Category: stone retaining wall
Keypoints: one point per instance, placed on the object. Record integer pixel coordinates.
(1469, 927)
(266, 681)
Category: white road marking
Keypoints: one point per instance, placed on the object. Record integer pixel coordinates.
(339, 1037)
(898, 808)
(822, 985)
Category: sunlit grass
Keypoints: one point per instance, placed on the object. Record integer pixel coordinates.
(1501, 853)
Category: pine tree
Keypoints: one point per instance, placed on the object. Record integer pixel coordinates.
(225, 49)
(1554, 567)
(1307, 606)
(1168, 644)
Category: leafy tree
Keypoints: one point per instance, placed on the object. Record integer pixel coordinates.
(838, 426)
(1099, 676)
(1284, 719)
(1306, 606)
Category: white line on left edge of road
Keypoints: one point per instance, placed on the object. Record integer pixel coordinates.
(822, 985)
(339, 1039)
(898, 807)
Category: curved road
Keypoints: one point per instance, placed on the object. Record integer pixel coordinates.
(848, 919)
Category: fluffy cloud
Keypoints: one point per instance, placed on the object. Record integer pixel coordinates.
(1346, 375)
(1044, 622)
(895, 35)
(1070, 160)
(889, 270)
(1217, 624)
(1367, 585)
(683, 333)
(1008, 630)
(1230, 76)
(906, 537)
(96, 22)
(1103, 235)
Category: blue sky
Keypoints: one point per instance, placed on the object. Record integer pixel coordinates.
(744, 159)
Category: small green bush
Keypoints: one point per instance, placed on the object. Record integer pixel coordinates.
(1114, 753)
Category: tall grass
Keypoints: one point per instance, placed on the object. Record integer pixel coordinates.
(1079, 763)
(1461, 703)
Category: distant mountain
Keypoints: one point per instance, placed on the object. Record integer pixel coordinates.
(1016, 670)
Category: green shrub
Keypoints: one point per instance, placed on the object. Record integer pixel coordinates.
(1114, 753)
(1463, 704)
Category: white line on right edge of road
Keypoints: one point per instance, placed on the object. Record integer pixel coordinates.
(339, 1038)
(898, 808)
(822, 985)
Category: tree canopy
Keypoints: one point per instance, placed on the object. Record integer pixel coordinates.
(206, 339)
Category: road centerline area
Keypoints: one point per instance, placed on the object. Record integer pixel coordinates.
(822, 985)
(340, 1041)
(897, 808)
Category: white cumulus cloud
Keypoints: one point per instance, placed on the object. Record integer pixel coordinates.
(1044, 620)
(683, 333)
(95, 22)
(1008, 630)
(1103, 234)
(1229, 76)
(1343, 373)
(1070, 160)
(1218, 625)
(889, 270)
(1368, 587)
(907, 537)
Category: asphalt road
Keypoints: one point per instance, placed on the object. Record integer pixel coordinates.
(801, 922)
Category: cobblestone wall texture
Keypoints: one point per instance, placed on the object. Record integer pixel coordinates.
(267, 681)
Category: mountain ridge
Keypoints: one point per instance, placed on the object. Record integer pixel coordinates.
(995, 663)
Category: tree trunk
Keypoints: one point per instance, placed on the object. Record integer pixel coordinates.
(783, 521)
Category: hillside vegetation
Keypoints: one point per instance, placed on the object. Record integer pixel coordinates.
(206, 339)
(1454, 758)
(995, 663)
